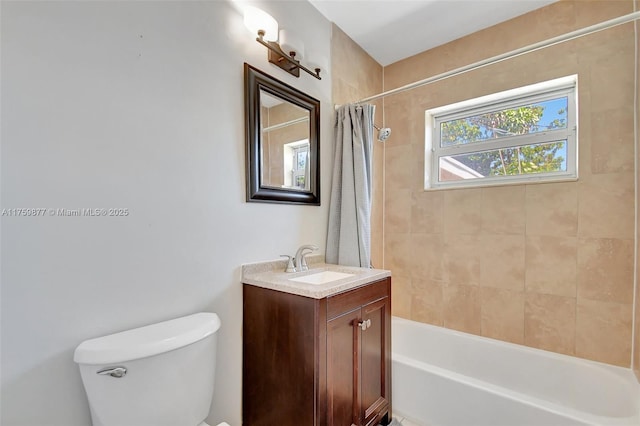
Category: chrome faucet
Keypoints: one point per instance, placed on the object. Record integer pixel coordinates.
(301, 262)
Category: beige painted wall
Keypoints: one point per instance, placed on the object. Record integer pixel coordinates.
(545, 265)
(355, 75)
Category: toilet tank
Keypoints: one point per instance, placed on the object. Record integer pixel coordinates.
(157, 375)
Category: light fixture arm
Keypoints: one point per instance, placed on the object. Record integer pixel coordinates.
(284, 61)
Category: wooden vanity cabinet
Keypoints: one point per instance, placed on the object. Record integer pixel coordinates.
(317, 361)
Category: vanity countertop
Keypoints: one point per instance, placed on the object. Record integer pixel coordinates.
(271, 275)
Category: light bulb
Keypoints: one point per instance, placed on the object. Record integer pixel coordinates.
(256, 19)
(290, 43)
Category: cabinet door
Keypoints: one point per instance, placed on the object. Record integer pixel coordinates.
(342, 369)
(375, 353)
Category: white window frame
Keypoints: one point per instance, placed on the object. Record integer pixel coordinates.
(289, 160)
(565, 86)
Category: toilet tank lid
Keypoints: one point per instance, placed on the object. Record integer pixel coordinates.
(147, 341)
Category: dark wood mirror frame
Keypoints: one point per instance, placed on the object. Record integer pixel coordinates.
(255, 81)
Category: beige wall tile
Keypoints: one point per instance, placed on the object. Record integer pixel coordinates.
(426, 302)
(563, 56)
(502, 262)
(550, 322)
(503, 209)
(611, 74)
(612, 141)
(397, 248)
(398, 167)
(550, 265)
(377, 248)
(584, 126)
(343, 92)
(461, 212)
(347, 56)
(605, 270)
(397, 212)
(418, 165)
(461, 310)
(603, 331)
(545, 23)
(614, 46)
(423, 98)
(426, 257)
(401, 73)
(463, 256)
(552, 209)
(397, 111)
(594, 11)
(377, 202)
(502, 314)
(636, 343)
(427, 212)
(606, 206)
(401, 297)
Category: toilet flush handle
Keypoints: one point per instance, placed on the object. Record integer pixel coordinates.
(117, 372)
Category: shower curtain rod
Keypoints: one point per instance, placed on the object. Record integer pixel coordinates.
(512, 54)
(285, 124)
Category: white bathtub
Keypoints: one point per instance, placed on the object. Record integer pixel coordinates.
(443, 377)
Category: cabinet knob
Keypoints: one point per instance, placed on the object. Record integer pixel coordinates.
(364, 324)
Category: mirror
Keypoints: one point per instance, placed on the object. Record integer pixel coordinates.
(282, 137)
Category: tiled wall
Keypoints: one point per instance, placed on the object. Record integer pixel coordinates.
(636, 343)
(355, 75)
(546, 265)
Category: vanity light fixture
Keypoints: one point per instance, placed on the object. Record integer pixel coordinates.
(266, 27)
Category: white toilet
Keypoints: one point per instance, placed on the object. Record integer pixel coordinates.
(158, 375)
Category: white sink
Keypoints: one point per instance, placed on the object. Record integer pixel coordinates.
(323, 277)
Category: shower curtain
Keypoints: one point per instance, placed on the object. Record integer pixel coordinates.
(349, 233)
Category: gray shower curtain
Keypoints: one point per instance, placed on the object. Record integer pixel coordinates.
(349, 233)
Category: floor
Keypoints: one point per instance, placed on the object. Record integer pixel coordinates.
(402, 421)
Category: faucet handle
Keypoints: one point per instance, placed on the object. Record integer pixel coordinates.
(301, 263)
(303, 258)
(290, 267)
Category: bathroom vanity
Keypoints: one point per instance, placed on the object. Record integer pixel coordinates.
(316, 346)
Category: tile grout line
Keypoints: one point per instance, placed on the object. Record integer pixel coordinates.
(635, 236)
(384, 181)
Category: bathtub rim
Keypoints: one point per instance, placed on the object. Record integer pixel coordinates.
(573, 413)
(616, 369)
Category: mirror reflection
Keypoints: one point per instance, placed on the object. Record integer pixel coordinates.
(285, 153)
(282, 130)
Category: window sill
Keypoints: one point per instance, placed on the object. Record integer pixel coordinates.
(500, 184)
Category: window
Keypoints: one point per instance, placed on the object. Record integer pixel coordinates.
(296, 164)
(521, 135)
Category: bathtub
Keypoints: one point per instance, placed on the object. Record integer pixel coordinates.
(448, 378)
